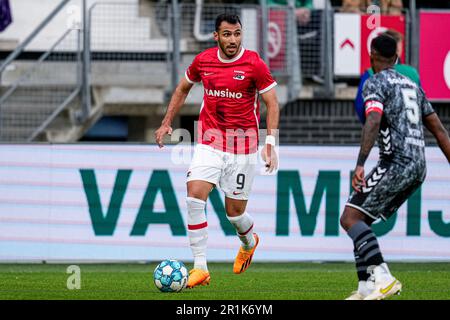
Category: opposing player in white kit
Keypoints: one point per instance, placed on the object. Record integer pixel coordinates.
(226, 153)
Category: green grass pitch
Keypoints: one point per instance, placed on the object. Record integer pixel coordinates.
(262, 281)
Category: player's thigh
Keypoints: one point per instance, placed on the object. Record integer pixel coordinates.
(386, 188)
(400, 197)
(237, 177)
(204, 171)
(351, 216)
(372, 198)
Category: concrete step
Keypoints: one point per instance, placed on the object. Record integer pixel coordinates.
(15, 134)
(28, 107)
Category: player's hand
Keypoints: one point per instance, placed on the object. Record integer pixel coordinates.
(358, 179)
(270, 157)
(161, 132)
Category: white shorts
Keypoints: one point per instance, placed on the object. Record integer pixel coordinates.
(232, 173)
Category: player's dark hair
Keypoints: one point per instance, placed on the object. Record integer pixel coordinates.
(385, 45)
(230, 18)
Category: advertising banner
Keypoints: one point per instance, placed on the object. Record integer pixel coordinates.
(353, 34)
(277, 39)
(368, 33)
(347, 44)
(435, 54)
(127, 203)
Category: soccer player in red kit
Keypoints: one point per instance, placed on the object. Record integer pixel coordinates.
(226, 151)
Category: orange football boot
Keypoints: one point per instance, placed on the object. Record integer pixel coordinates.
(244, 257)
(198, 277)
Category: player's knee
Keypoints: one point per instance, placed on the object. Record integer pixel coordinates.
(198, 190)
(350, 218)
(195, 205)
(346, 221)
(234, 209)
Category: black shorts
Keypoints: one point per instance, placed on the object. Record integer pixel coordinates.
(388, 186)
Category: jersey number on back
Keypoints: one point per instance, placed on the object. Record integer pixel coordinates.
(412, 108)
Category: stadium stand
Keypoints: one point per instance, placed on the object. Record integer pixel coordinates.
(114, 85)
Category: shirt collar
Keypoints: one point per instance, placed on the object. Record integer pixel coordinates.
(236, 58)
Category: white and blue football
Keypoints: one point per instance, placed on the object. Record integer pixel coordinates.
(170, 276)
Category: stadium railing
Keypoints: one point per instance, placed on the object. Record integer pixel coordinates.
(33, 93)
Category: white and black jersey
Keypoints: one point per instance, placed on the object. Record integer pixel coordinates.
(402, 104)
(401, 168)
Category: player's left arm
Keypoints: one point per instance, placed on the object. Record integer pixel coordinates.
(434, 124)
(270, 99)
(369, 136)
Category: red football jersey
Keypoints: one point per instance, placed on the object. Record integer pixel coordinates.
(229, 114)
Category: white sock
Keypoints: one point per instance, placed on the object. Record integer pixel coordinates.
(244, 228)
(197, 231)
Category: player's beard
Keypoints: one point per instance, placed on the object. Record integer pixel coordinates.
(223, 47)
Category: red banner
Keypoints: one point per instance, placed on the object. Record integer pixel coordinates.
(435, 54)
(396, 23)
(277, 39)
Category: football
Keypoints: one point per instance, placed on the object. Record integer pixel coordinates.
(170, 276)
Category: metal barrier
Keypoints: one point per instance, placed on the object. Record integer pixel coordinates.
(126, 40)
(37, 96)
(33, 93)
(198, 24)
(119, 31)
(311, 37)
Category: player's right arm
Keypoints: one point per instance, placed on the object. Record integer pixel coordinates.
(176, 102)
(374, 99)
(369, 136)
(434, 124)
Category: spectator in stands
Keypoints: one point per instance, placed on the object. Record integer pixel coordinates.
(309, 32)
(353, 6)
(302, 9)
(403, 69)
(391, 7)
(395, 7)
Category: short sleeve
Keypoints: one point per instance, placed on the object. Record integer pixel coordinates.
(359, 100)
(373, 95)
(192, 73)
(426, 106)
(263, 78)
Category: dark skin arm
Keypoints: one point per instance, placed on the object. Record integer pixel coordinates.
(434, 124)
(369, 136)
